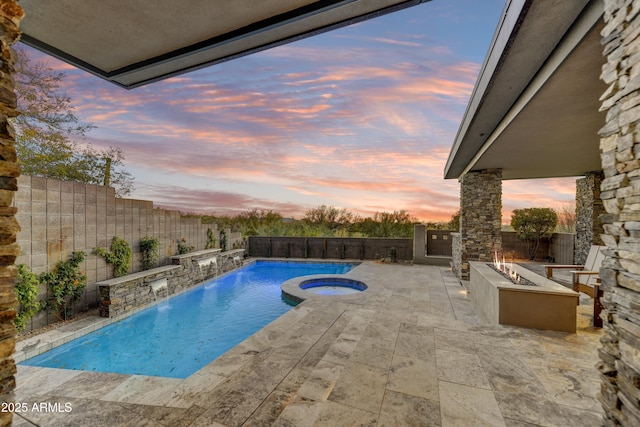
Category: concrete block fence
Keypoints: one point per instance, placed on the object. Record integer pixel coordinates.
(59, 217)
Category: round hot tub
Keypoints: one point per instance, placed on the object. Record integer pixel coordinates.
(332, 286)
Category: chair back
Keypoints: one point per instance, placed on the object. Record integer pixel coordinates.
(590, 279)
(594, 251)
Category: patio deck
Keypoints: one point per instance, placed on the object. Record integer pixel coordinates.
(409, 351)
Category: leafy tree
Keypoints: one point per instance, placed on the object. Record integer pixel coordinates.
(323, 221)
(387, 224)
(47, 129)
(454, 223)
(329, 217)
(533, 224)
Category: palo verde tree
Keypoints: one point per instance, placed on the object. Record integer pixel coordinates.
(47, 131)
(532, 224)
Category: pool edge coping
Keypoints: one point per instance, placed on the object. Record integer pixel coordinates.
(291, 288)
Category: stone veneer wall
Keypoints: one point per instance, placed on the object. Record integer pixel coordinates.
(589, 207)
(480, 217)
(620, 153)
(58, 217)
(10, 16)
(456, 251)
(125, 294)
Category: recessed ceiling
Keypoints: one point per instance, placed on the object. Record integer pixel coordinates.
(133, 42)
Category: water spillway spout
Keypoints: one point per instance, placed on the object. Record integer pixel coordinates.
(157, 286)
(208, 263)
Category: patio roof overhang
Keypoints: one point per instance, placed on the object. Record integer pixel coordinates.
(534, 110)
(132, 43)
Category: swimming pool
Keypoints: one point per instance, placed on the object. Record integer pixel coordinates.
(177, 337)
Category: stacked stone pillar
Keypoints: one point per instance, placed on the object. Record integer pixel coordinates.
(589, 207)
(480, 219)
(620, 152)
(10, 16)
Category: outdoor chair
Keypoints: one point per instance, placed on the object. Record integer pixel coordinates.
(586, 279)
(589, 283)
(589, 264)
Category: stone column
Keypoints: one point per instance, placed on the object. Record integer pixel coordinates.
(10, 16)
(620, 153)
(589, 207)
(480, 217)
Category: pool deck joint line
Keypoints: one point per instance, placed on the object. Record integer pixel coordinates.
(410, 350)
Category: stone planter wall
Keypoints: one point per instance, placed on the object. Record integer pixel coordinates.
(126, 294)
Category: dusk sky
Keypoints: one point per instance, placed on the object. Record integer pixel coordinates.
(361, 118)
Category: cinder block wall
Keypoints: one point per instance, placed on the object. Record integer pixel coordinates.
(59, 217)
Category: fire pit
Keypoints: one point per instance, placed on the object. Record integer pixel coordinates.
(508, 271)
(500, 300)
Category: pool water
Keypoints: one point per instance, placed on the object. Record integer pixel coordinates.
(333, 290)
(177, 337)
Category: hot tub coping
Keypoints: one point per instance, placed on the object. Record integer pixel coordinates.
(292, 290)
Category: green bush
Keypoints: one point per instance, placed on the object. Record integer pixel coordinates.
(183, 247)
(27, 293)
(66, 285)
(149, 251)
(223, 240)
(119, 257)
(211, 239)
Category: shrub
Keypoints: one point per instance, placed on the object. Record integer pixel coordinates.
(183, 247)
(27, 293)
(211, 239)
(223, 240)
(149, 251)
(66, 285)
(119, 257)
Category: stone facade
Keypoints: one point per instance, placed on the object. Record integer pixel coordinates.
(480, 218)
(620, 153)
(123, 295)
(589, 207)
(10, 16)
(456, 250)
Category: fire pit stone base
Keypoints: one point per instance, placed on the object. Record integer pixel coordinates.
(497, 300)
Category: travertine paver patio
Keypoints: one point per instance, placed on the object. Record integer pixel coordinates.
(409, 351)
